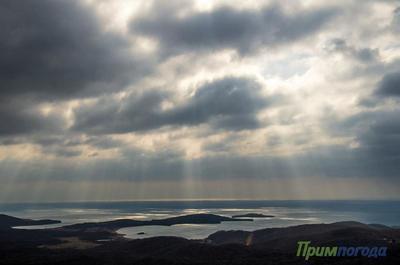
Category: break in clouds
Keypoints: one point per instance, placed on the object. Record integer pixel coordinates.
(173, 92)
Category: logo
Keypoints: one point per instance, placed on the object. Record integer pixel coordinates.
(305, 250)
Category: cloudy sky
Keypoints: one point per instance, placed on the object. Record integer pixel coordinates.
(131, 100)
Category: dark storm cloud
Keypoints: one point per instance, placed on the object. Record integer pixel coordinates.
(376, 131)
(389, 86)
(242, 30)
(379, 144)
(137, 112)
(382, 137)
(57, 49)
(229, 103)
(377, 135)
(18, 117)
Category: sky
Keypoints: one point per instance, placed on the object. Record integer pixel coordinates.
(147, 100)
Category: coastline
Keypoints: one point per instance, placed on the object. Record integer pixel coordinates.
(100, 242)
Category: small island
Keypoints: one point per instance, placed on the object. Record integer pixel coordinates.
(253, 215)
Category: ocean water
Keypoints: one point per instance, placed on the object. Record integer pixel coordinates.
(286, 213)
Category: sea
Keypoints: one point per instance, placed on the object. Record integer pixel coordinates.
(286, 213)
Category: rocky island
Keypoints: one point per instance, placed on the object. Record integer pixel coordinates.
(253, 215)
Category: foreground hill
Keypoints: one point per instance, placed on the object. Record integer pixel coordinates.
(286, 238)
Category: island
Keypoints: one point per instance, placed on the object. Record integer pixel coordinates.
(253, 215)
(184, 219)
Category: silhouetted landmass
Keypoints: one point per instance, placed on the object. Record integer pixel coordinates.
(266, 246)
(10, 221)
(252, 215)
(184, 219)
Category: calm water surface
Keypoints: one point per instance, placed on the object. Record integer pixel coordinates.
(286, 213)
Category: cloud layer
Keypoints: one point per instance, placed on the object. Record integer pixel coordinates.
(229, 103)
(268, 94)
